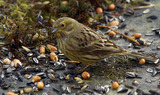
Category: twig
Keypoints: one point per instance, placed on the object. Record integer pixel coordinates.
(129, 38)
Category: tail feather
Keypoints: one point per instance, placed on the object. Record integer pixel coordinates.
(149, 57)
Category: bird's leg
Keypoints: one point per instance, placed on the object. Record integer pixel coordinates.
(86, 67)
(129, 38)
(82, 70)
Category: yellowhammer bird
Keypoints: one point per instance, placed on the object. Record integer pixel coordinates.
(80, 43)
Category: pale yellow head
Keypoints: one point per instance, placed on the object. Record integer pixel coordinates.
(64, 26)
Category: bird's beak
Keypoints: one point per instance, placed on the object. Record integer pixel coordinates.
(54, 30)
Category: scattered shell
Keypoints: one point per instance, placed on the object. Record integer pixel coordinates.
(42, 50)
(36, 78)
(16, 62)
(157, 68)
(86, 75)
(128, 86)
(52, 21)
(154, 92)
(26, 49)
(157, 61)
(11, 93)
(102, 89)
(149, 70)
(40, 85)
(111, 34)
(115, 85)
(158, 84)
(67, 77)
(35, 60)
(146, 11)
(137, 35)
(64, 3)
(51, 76)
(142, 61)
(122, 90)
(6, 61)
(53, 57)
(119, 6)
(111, 7)
(158, 47)
(154, 73)
(51, 47)
(131, 74)
(46, 2)
(129, 12)
(114, 27)
(141, 41)
(148, 80)
(157, 31)
(79, 80)
(99, 10)
(114, 23)
(28, 76)
(84, 87)
(122, 25)
(153, 17)
(135, 82)
(121, 18)
(28, 90)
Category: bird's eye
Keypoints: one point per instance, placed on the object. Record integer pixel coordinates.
(62, 25)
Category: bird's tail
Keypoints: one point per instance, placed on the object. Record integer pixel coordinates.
(149, 57)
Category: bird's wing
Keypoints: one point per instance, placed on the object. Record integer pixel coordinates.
(92, 42)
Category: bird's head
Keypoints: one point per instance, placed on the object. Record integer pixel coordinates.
(63, 26)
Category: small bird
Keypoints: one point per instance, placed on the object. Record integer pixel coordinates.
(80, 43)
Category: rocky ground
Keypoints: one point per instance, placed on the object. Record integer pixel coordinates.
(144, 79)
